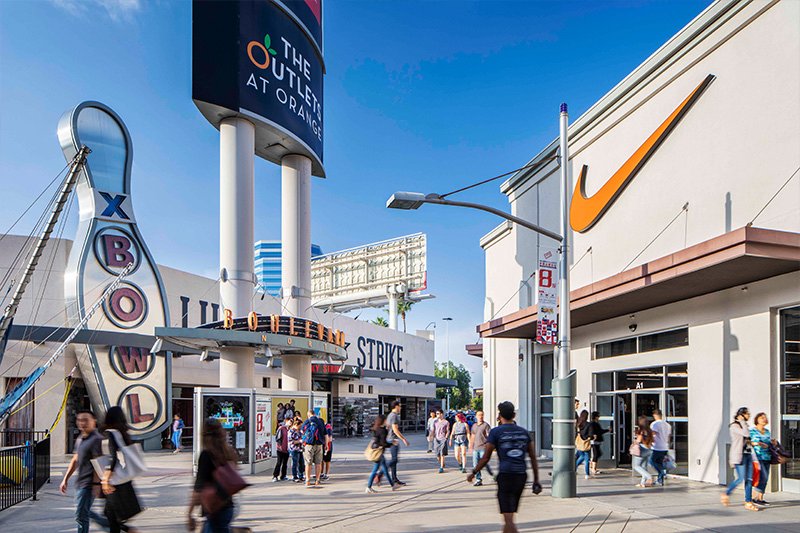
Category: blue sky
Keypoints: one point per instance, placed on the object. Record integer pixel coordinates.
(420, 96)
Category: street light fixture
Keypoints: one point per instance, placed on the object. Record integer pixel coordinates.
(564, 383)
(447, 348)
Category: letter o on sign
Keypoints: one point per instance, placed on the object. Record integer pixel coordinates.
(126, 306)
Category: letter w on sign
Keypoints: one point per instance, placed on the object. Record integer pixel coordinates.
(133, 360)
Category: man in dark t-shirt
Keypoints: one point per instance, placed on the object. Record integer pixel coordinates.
(512, 443)
(88, 446)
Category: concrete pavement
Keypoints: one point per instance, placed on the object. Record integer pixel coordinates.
(430, 502)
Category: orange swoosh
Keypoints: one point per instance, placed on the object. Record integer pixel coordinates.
(586, 211)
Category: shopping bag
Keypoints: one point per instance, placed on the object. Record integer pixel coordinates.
(130, 460)
(373, 454)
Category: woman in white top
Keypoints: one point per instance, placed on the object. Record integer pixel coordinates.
(459, 437)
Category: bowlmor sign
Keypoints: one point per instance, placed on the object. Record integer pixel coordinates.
(546, 301)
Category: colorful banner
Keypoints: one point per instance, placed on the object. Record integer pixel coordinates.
(546, 301)
(263, 429)
(321, 407)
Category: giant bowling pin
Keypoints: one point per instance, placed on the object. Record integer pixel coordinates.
(116, 369)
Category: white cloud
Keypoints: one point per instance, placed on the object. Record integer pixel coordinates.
(117, 10)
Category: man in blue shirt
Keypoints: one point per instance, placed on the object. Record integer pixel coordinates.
(512, 442)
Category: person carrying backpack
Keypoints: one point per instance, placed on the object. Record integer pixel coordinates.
(313, 431)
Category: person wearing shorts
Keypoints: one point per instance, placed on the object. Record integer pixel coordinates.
(512, 443)
(328, 453)
(441, 431)
(313, 431)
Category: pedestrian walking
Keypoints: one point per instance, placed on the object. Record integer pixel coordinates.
(458, 439)
(595, 432)
(429, 430)
(662, 432)
(512, 442)
(177, 432)
(327, 455)
(379, 443)
(394, 436)
(296, 451)
(441, 432)
(313, 430)
(282, 450)
(478, 434)
(583, 443)
(641, 450)
(121, 500)
(761, 439)
(216, 454)
(88, 446)
(740, 458)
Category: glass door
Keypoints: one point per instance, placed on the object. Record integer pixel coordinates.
(623, 429)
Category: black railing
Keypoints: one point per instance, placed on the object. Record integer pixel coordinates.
(19, 437)
(23, 471)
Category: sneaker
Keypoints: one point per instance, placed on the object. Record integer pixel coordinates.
(370, 490)
(477, 483)
(762, 503)
(587, 477)
(324, 477)
(441, 470)
(430, 451)
(397, 486)
(284, 478)
(398, 482)
(274, 479)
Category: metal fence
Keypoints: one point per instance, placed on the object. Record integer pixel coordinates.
(23, 471)
(19, 437)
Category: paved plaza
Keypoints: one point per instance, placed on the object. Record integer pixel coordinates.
(430, 502)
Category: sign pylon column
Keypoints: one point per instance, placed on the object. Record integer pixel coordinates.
(236, 216)
(296, 258)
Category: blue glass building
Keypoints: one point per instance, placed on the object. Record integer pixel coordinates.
(268, 265)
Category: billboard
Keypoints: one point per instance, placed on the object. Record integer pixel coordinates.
(259, 60)
(347, 278)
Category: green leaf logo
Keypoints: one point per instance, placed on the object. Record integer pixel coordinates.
(268, 43)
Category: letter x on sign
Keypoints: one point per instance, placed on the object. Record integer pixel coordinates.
(114, 205)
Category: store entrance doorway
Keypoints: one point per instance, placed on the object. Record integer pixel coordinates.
(627, 408)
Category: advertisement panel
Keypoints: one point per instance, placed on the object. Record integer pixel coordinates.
(252, 59)
(321, 407)
(232, 412)
(281, 407)
(263, 429)
(546, 301)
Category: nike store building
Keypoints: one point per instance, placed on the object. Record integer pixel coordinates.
(685, 265)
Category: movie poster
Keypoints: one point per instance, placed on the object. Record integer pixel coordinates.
(281, 407)
(263, 429)
(232, 414)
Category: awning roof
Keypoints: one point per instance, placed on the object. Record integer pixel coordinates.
(741, 256)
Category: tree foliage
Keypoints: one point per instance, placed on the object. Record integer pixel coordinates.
(380, 321)
(460, 394)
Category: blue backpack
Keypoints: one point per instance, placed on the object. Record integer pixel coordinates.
(312, 433)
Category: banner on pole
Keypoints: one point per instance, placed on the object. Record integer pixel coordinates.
(546, 302)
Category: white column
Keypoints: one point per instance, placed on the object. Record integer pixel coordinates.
(236, 205)
(392, 308)
(296, 258)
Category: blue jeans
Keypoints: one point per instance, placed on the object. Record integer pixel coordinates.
(378, 465)
(744, 472)
(640, 465)
(582, 457)
(763, 477)
(298, 469)
(220, 522)
(657, 460)
(392, 464)
(83, 510)
(176, 439)
(477, 455)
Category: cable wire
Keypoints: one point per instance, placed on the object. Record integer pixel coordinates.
(684, 209)
(529, 166)
(774, 196)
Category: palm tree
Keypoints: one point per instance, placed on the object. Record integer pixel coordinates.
(403, 307)
(380, 321)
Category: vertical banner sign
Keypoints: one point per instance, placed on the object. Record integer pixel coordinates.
(263, 429)
(547, 293)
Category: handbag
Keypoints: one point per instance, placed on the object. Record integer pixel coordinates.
(669, 462)
(124, 502)
(581, 444)
(373, 454)
(227, 482)
(778, 453)
(634, 449)
(130, 460)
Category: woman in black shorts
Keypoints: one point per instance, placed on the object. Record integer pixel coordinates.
(512, 442)
(595, 433)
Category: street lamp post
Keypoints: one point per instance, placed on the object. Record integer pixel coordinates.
(447, 348)
(564, 383)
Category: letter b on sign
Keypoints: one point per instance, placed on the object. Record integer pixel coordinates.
(545, 278)
(115, 248)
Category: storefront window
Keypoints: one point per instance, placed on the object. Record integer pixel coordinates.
(546, 373)
(641, 378)
(678, 375)
(790, 389)
(604, 382)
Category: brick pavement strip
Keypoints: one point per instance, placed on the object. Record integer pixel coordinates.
(430, 502)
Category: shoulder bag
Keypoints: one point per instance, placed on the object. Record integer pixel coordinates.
(124, 501)
(635, 450)
(373, 454)
(581, 444)
(227, 482)
(778, 453)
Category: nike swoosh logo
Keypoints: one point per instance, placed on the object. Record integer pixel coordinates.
(586, 211)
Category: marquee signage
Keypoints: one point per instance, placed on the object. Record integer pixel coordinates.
(586, 211)
(108, 240)
(379, 355)
(259, 60)
(280, 325)
(349, 371)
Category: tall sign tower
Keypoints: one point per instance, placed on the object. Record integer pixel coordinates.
(257, 69)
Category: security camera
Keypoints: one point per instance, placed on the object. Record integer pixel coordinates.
(632, 327)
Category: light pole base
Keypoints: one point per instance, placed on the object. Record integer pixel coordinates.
(564, 437)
